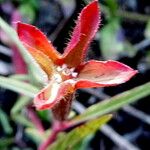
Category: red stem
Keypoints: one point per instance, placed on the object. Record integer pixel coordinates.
(35, 120)
(48, 141)
(58, 126)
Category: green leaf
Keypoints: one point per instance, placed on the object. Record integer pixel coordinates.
(5, 122)
(36, 136)
(44, 115)
(33, 66)
(27, 11)
(33, 3)
(21, 102)
(113, 7)
(147, 30)
(83, 144)
(5, 142)
(22, 77)
(18, 86)
(114, 103)
(22, 120)
(69, 140)
(111, 45)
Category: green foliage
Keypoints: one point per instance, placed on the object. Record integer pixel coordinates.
(44, 115)
(147, 30)
(114, 103)
(84, 143)
(22, 77)
(113, 7)
(112, 43)
(35, 135)
(21, 119)
(5, 142)
(4, 121)
(69, 140)
(21, 102)
(27, 12)
(18, 86)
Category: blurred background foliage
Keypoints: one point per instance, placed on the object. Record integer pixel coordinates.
(124, 35)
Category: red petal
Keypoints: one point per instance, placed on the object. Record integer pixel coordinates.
(52, 94)
(103, 73)
(45, 63)
(86, 27)
(33, 37)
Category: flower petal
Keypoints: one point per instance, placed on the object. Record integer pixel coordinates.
(33, 37)
(45, 63)
(52, 94)
(103, 73)
(85, 29)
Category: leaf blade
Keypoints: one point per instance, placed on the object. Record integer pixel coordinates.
(113, 103)
(79, 133)
(5, 122)
(18, 86)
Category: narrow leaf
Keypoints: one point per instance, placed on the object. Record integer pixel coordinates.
(35, 135)
(18, 86)
(77, 134)
(11, 33)
(5, 122)
(22, 77)
(114, 103)
(21, 102)
(147, 30)
(22, 120)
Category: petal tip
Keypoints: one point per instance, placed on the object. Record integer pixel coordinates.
(133, 73)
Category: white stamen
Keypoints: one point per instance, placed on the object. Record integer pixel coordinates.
(65, 71)
(74, 74)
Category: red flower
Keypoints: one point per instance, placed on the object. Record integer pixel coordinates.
(68, 72)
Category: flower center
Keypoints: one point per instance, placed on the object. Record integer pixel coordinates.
(65, 71)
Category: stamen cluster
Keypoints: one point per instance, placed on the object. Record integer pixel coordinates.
(67, 71)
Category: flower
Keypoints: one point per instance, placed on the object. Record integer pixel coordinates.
(68, 72)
